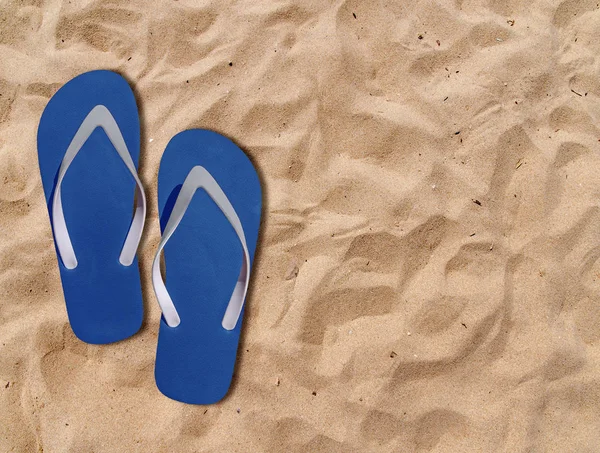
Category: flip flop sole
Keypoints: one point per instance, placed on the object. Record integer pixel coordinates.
(103, 297)
(195, 360)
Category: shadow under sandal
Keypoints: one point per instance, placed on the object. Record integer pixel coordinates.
(209, 199)
(88, 150)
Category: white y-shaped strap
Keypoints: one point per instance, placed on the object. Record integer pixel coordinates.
(99, 116)
(200, 178)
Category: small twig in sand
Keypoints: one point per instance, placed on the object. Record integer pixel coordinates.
(292, 271)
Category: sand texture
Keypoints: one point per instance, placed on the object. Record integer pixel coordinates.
(428, 275)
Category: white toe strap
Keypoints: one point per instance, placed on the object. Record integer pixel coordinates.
(99, 116)
(200, 178)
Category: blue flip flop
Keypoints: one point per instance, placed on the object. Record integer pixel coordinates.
(209, 199)
(88, 151)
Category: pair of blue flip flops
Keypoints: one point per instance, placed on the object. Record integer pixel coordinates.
(209, 201)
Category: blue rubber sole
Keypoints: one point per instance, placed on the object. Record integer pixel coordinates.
(195, 360)
(103, 297)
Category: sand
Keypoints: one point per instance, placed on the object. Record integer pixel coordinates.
(428, 272)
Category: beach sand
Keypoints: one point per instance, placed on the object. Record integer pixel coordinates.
(428, 271)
